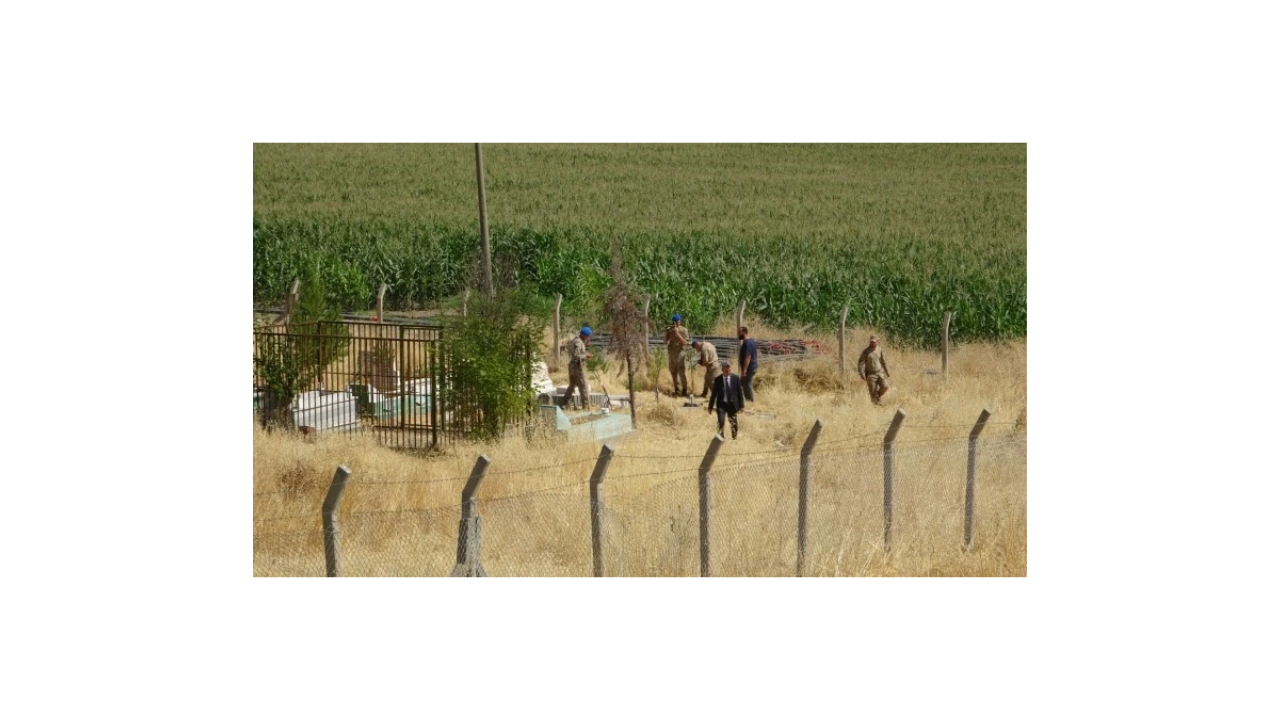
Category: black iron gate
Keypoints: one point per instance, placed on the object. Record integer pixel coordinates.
(371, 377)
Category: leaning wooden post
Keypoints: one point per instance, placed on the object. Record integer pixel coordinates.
(381, 292)
(946, 341)
(469, 526)
(704, 503)
(329, 518)
(844, 315)
(888, 476)
(290, 302)
(555, 341)
(802, 533)
(969, 480)
(597, 508)
(466, 295)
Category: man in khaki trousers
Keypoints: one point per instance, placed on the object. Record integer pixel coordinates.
(677, 338)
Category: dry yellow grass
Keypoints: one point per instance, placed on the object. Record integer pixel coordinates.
(400, 512)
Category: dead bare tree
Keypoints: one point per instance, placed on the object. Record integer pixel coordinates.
(626, 325)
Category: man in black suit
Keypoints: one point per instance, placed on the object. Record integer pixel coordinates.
(726, 398)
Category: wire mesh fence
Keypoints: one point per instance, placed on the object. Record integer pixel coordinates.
(926, 515)
(754, 511)
(382, 528)
(1000, 510)
(289, 553)
(651, 523)
(401, 543)
(845, 501)
(650, 526)
(540, 534)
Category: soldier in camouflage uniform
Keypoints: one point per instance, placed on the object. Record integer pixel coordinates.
(677, 338)
(577, 369)
(873, 369)
(707, 358)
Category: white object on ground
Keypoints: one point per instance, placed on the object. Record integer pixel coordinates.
(325, 410)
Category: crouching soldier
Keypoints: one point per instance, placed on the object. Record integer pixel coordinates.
(708, 359)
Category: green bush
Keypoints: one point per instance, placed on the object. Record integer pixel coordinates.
(488, 358)
(290, 362)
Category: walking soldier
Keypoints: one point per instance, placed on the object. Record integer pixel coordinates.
(577, 368)
(873, 368)
(677, 338)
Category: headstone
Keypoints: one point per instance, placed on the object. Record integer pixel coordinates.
(541, 382)
(379, 369)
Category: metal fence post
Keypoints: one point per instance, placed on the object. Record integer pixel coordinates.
(704, 503)
(888, 475)
(401, 366)
(469, 526)
(597, 508)
(436, 413)
(802, 533)
(329, 518)
(970, 478)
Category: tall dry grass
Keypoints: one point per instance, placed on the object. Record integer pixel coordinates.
(400, 513)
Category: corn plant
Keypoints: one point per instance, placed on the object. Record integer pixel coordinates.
(902, 233)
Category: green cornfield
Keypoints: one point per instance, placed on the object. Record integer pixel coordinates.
(901, 233)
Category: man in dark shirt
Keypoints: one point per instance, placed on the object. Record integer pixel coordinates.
(747, 362)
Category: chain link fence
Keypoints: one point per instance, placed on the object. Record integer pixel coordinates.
(755, 507)
(650, 526)
(399, 543)
(651, 522)
(543, 533)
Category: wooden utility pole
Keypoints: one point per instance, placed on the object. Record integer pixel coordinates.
(484, 225)
(555, 341)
